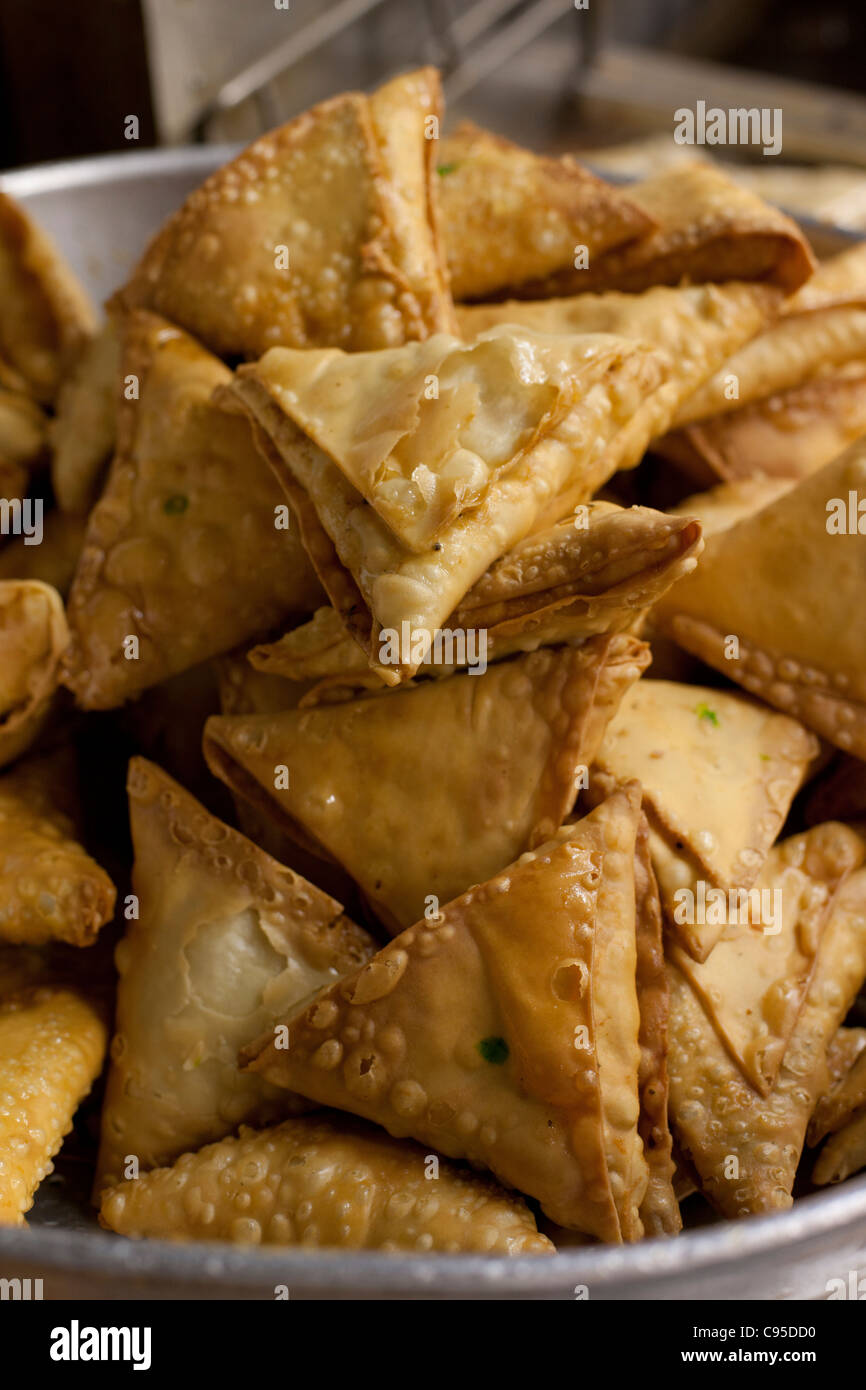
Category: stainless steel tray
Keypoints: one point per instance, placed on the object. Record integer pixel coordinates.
(101, 211)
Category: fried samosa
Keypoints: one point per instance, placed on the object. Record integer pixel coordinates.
(321, 233)
(820, 327)
(183, 556)
(503, 1029)
(744, 1145)
(225, 941)
(33, 637)
(321, 1183)
(789, 435)
(422, 486)
(719, 773)
(45, 316)
(365, 782)
(50, 888)
(775, 603)
(707, 228)
(52, 1043)
(592, 574)
(512, 216)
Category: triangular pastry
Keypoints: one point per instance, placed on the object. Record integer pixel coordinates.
(320, 1183)
(698, 327)
(243, 690)
(719, 773)
(84, 428)
(722, 506)
(45, 315)
(322, 232)
(52, 1044)
(226, 941)
(395, 542)
(790, 434)
(746, 1146)
(50, 888)
(707, 228)
(189, 515)
(753, 985)
(775, 603)
(820, 327)
(366, 783)
(511, 215)
(33, 637)
(577, 579)
(504, 1030)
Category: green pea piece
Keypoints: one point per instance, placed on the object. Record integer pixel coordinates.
(176, 505)
(704, 712)
(494, 1050)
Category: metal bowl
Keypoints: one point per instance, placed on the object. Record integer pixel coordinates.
(101, 211)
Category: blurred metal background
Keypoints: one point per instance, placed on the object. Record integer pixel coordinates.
(542, 71)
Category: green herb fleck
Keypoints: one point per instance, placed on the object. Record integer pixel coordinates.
(174, 506)
(443, 169)
(494, 1050)
(704, 712)
(765, 757)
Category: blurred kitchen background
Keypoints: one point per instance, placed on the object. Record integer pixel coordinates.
(603, 79)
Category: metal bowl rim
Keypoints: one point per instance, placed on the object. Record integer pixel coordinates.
(708, 1250)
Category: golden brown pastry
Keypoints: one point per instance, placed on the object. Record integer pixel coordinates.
(585, 576)
(319, 1183)
(45, 315)
(514, 1048)
(699, 326)
(847, 1089)
(225, 940)
(422, 486)
(775, 603)
(844, 1152)
(511, 215)
(707, 228)
(322, 232)
(33, 636)
(83, 431)
(719, 773)
(821, 327)
(790, 434)
(52, 1042)
(744, 1145)
(183, 557)
(659, 1210)
(369, 783)
(722, 506)
(754, 983)
(50, 888)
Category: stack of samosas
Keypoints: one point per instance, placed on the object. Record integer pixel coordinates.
(471, 902)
